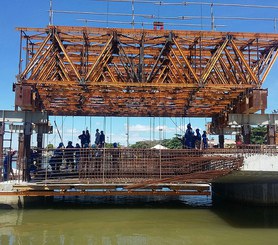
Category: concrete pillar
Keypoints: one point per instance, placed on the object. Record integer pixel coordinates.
(20, 155)
(221, 140)
(39, 142)
(26, 149)
(1, 147)
(271, 134)
(246, 133)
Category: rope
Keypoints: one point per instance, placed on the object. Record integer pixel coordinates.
(177, 126)
(110, 130)
(72, 128)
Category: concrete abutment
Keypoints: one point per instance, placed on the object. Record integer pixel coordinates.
(247, 187)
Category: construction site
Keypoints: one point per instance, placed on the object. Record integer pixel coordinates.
(135, 72)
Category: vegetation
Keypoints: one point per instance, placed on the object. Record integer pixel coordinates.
(174, 143)
(111, 145)
(144, 144)
(50, 146)
(259, 135)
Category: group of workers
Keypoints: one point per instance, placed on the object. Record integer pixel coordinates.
(192, 141)
(72, 154)
(85, 139)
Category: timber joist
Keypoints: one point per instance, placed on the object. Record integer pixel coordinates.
(129, 72)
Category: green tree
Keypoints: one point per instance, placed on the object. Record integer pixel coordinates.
(142, 145)
(50, 146)
(259, 135)
(174, 143)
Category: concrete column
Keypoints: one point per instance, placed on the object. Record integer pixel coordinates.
(26, 149)
(40, 142)
(1, 147)
(246, 133)
(271, 134)
(20, 154)
(221, 140)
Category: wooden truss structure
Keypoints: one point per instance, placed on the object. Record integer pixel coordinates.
(133, 72)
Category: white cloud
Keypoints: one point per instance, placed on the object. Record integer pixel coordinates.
(165, 128)
(139, 128)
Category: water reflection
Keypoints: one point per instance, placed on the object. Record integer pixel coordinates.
(121, 202)
(248, 217)
(122, 220)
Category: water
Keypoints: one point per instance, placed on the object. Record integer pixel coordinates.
(125, 220)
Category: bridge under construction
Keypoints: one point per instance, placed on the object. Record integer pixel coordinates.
(86, 71)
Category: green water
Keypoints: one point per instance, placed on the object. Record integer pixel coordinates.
(133, 221)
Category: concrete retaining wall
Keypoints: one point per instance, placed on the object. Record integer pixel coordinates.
(248, 187)
(10, 201)
(260, 163)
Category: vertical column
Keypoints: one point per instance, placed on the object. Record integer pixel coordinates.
(141, 75)
(2, 125)
(39, 143)
(221, 140)
(20, 155)
(271, 134)
(246, 133)
(27, 148)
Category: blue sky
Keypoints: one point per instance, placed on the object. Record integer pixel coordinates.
(34, 13)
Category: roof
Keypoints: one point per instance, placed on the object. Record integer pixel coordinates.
(158, 146)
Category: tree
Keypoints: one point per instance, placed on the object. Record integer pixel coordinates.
(259, 135)
(142, 145)
(174, 143)
(50, 146)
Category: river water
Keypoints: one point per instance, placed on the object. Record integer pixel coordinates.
(126, 220)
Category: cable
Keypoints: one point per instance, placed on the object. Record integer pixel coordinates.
(177, 126)
(185, 3)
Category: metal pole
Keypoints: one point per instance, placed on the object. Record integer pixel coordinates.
(20, 54)
(127, 131)
(27, 52)
(132, 9)
(159, 163)
(2, 130)
(212, 17)
(58, 131)
(50, 13)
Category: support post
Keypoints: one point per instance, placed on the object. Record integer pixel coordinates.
(26, 149)
(39, 143)
(246, 133)
(141, 75)
(271, 134)
(20, 155)
(2, 125)
(221, 140)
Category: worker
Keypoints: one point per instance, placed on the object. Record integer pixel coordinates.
(8, 169)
